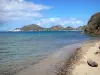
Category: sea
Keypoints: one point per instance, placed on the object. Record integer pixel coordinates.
(20, 50)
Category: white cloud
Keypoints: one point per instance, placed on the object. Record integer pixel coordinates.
(24, 10)
(48, 22)
(20, 9)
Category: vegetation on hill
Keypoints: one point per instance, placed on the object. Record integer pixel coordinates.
(35, 27)
(58, 27)
(69, 28)
(32, 27)
(93, 26)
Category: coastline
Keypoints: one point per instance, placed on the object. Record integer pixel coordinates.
(77, 63)
(25, 52)
(63, 62)
(50, 65)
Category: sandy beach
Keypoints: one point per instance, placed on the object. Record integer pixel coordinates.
(77, 64)
(90, 53)
(69, 63)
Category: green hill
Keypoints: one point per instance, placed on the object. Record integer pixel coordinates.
(93, 26)
(32, 27)
(57, 27)
(69, 28)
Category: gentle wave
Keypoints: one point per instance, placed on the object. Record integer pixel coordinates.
(21, 49)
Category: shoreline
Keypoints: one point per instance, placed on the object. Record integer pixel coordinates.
(77, 63)
(69, 64)
(60, 62)
(48, 66)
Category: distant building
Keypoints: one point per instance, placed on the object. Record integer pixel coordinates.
(16, 30)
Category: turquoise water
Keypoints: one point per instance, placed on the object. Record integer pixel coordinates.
(19, 50)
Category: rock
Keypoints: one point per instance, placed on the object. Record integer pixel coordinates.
(92, 63)
(97, 53)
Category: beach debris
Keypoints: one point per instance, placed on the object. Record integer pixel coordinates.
(92, 63)
(99, 47)
(98, 52)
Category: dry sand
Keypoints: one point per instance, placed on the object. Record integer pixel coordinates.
(49, 65)
(77, 64)
(81, 67)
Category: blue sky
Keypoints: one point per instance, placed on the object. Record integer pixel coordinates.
(46, 13)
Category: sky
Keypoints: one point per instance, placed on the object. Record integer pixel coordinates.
(46, 13)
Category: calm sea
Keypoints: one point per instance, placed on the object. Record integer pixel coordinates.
(19, 50)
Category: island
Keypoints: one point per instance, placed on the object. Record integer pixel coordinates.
(35, 27)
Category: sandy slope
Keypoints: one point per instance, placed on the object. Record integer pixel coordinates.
(48, 66)
(81, 66)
